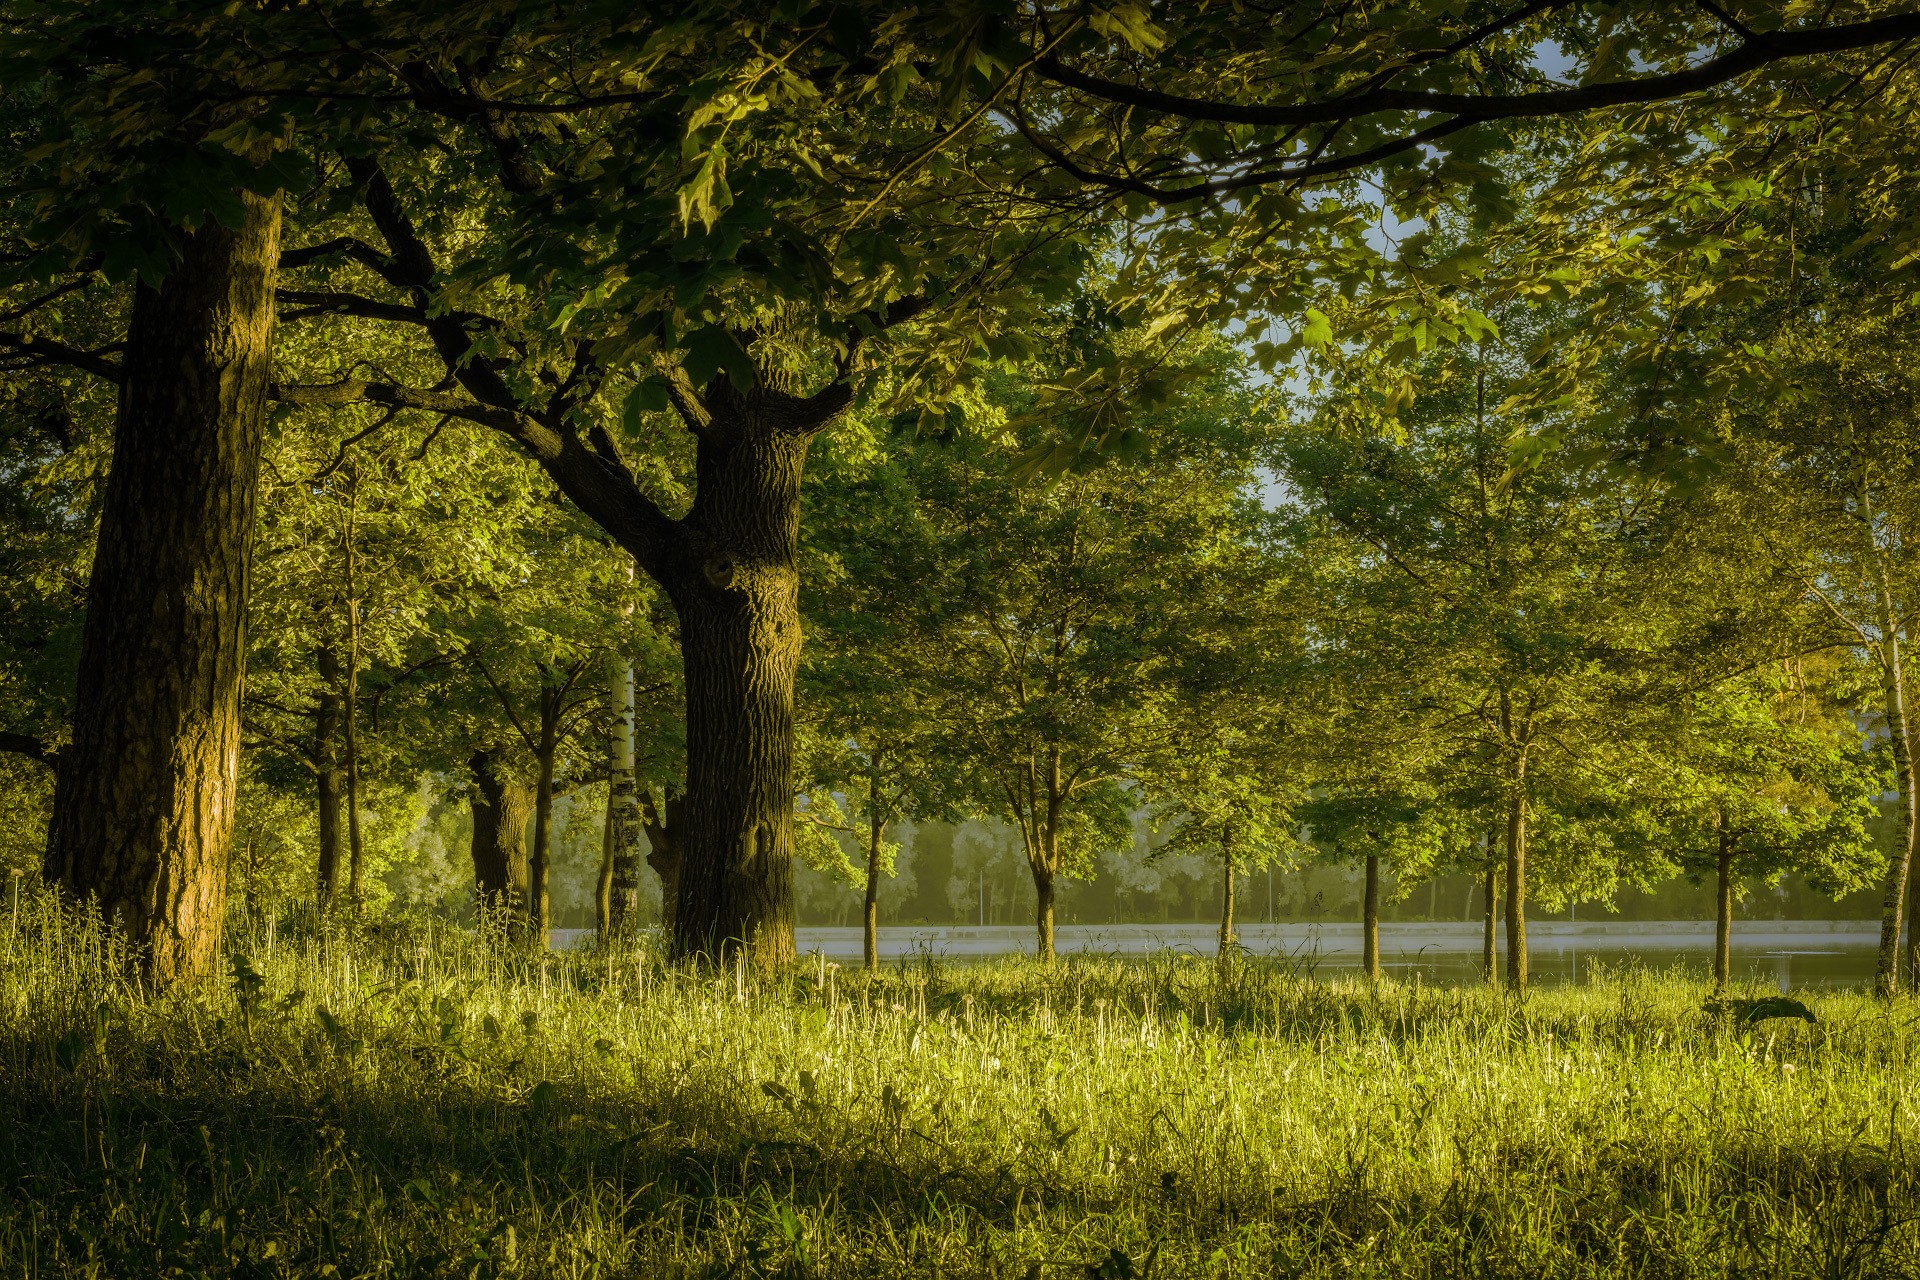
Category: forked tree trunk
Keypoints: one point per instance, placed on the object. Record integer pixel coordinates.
(1900, 865)
(326, 765)
(1370, 921)
(1043, 913)
(1723, 906)
(1489, 942)
(623, 812)
(876, 832)
(502, 805)
(144, 796)
(1517, 894)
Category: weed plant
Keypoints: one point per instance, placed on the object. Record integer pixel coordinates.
(422, 1101)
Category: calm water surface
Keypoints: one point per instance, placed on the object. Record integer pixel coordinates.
(1784, 953)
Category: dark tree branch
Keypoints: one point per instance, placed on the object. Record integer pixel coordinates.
(326, 302)
(39, 350)
(23, 744)
(343, 246)
(1751, 54)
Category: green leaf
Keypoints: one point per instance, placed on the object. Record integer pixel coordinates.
(713, 348)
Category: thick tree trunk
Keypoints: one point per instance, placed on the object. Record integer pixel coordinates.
(623, 812)
(1900, 865)
(1043, 913)
(1723, 913)
(1370, 921)
(1227, 939)
(1489, 942)
(1517, 894)
(502, 805)
(327, 779)
(663, 821)
(737, 591)
(144, 796)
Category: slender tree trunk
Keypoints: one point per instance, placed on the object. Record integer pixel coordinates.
(326, 763)
(1489, 942)
(1723, 915)
(1227, 939)
(540, 860)
(144, 795)
(1900, 865)
(502, 804)
(1370, 921)
(1517, 894)
(603, 882)
(623, 812)
(737, 590)
(1913, 925)
(356, 862)
(876, 831)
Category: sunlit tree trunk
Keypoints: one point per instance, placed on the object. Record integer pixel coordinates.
(144, 794)
(1370, 920)
(736, 586)
(623, 812)
(1517, 893)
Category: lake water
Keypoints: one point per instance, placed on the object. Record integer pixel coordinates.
(1785, 953)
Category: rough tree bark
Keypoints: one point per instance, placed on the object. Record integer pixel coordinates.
(327, 779)
(1723, 905)
(623, 812)
(1517, 893)
(734, 579)
(662, 820)
(143, 800)
(502, 805)
(1370, 921)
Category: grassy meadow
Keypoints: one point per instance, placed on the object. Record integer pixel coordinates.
(422, 1103)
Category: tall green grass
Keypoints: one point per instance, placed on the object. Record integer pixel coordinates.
(422, 1103)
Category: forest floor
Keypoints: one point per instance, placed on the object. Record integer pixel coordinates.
(421, 1103)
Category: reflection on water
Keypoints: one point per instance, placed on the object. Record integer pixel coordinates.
(1785, 953)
